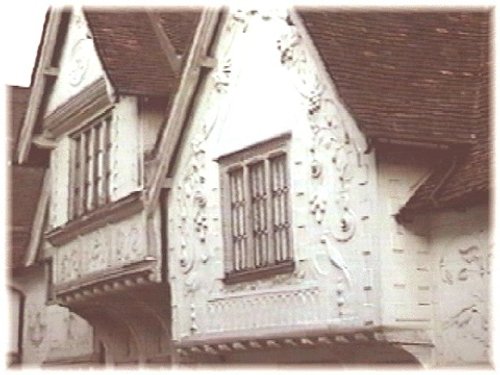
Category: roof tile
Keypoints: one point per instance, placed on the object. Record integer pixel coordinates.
(415, 76)
(130, 51)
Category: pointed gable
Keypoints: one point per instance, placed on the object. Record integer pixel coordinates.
(75, 58)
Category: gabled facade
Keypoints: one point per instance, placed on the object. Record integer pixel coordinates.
(251, 186)
(309, 218)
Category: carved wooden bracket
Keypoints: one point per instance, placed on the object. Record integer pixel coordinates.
(106, 282)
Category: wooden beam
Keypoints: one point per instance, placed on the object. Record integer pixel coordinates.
(209, 62)
(182, 99)
(44, 142)
(38, 90)
(38, 222)
(165, 43)
(51, 71)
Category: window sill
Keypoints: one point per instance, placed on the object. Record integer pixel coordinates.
(234, 277)
(107, 214)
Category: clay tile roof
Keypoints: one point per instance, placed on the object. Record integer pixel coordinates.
(25, 190)
(130, 51)
(417, 76)
(25, 184)
(407, 75)
(19, 97)
(455, 184)
(179, 24)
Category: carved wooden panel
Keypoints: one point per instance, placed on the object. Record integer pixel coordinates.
(107, 248)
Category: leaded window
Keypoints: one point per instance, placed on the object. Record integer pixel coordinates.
(257, 227)
(90, 167)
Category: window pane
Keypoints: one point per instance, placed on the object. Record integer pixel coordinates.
(279, 189)
(90, 169)
(89, 185)
(106, 158)
(75, 183)
(96, 165)
(259, 214)
(237, 218)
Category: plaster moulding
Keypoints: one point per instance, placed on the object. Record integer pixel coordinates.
(37, 325)
(80, 56)
(329, 134)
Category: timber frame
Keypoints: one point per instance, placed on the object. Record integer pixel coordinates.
(184, 96)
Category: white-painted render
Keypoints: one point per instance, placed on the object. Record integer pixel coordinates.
(250, 97)
(270, 81)
(79, 65)
(51, 332)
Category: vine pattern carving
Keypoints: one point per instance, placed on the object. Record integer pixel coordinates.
(79, 61)
(329, 134)
(37, 325)
(111, 246)
(192, 201)
(464, 279)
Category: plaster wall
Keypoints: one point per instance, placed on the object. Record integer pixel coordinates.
(434, 270)
(79, 65)
(14, 301)
(151, 117)
(461, 254)
(50, 332)
(270, 81)
(405, 254)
